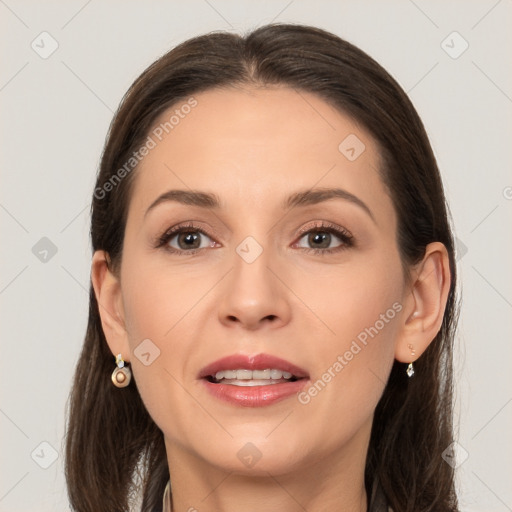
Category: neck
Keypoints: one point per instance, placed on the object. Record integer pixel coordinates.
(334, 483)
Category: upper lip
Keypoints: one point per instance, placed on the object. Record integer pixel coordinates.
(256, 362)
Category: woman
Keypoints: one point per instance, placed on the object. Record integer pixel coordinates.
(272, 304)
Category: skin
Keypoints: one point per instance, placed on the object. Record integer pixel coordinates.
(254, 147)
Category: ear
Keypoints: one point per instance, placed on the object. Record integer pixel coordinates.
(107, 289)
(425, 304)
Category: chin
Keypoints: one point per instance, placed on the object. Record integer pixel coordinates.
(257, 456)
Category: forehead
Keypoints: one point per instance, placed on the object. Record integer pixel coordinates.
(253, 146)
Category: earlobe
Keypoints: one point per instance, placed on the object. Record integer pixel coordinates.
(426, 304)
(107, 290)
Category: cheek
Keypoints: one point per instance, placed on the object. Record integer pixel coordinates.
(355, 300)
(359, 321)
(156, 297)
(161, 302)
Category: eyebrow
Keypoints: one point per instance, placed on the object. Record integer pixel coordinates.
(297, 199)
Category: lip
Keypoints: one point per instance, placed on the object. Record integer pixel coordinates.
(255, 396)
(257, 362)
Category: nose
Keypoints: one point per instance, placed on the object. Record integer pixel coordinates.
(253, 296)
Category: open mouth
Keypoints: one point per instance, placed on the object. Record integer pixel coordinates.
(253, 380)
(245, 377)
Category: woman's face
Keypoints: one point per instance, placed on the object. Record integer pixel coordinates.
(316, 282)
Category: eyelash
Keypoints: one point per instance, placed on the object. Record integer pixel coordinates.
(322, 227)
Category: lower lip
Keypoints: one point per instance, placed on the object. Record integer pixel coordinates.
(255, 396)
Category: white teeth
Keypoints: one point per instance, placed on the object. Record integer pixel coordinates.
(253, 375)
(250, 383)
(276, 374)
(261, 374)
(244, 374)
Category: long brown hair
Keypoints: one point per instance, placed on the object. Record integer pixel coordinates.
(114, 450)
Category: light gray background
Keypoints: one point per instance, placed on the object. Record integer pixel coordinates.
(54, 118)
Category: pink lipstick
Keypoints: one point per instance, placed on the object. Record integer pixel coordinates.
(253, 381)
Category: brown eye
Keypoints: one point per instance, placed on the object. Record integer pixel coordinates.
(185, 240)
(321, 239)
(188, 240)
